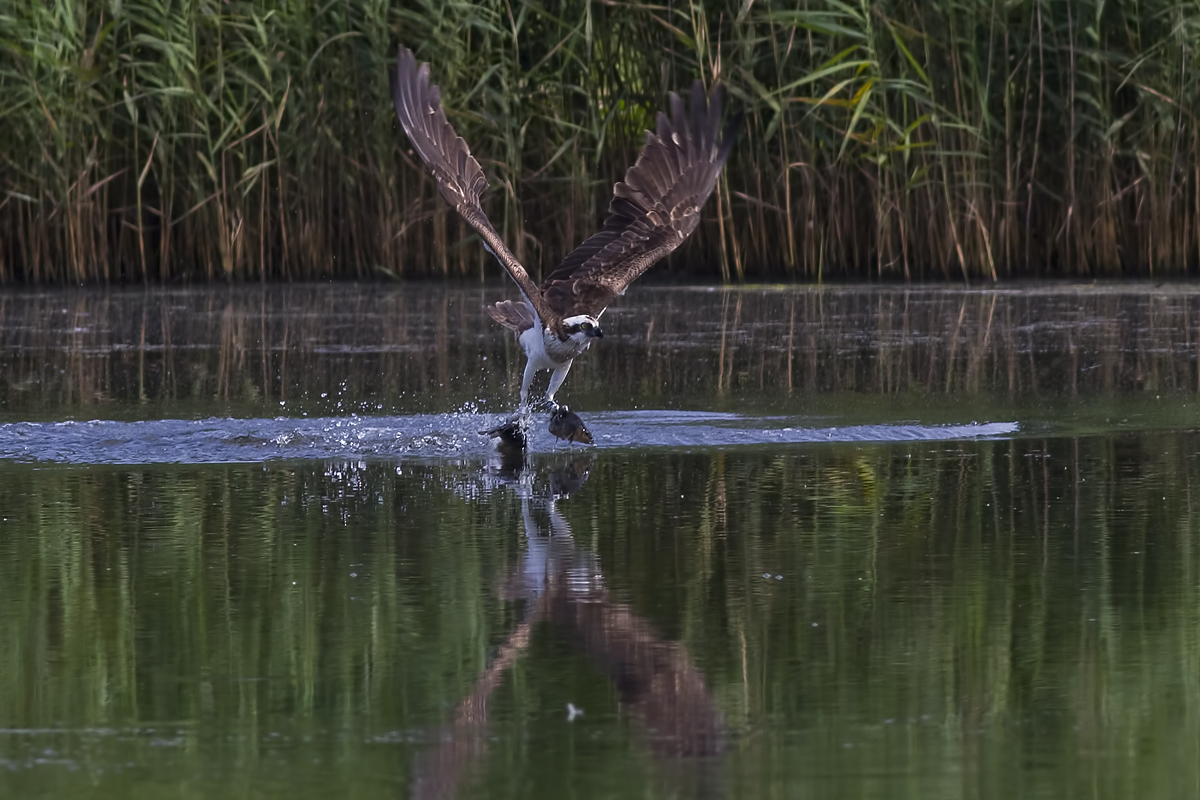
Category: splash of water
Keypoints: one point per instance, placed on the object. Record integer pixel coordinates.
(425, 436)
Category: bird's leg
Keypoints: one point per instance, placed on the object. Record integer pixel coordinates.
(556, 380)
(526, 381)
(512, 433)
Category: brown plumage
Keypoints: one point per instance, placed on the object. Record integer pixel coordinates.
(652, 211)
(514, 316)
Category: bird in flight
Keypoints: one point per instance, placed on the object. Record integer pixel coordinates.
(653, 210)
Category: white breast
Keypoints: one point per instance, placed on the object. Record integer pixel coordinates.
(547, 351)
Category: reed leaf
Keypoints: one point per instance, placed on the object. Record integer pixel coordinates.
(951, 139)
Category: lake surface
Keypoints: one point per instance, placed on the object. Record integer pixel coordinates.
(872, 543)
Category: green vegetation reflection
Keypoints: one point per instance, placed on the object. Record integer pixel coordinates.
(1093, 353)
(955, 619)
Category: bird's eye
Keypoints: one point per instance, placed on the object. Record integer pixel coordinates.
(587, 326)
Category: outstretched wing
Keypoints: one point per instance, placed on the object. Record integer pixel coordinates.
(459, 176)
(652, 211)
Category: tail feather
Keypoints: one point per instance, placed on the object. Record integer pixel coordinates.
(517, 317)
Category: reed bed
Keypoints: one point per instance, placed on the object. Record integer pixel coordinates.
(195, 140)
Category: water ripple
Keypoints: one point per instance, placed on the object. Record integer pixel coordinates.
(456, 435)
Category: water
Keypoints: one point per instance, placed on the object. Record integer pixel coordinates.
(850, 542)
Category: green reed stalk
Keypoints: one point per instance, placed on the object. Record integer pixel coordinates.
(254, 139)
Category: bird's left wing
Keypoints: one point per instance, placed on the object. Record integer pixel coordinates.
(458, 175)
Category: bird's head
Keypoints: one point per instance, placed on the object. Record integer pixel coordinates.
(582, 328)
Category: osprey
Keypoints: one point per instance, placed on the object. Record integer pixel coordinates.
(652, 211)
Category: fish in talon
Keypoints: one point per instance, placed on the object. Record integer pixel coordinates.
(566, 424)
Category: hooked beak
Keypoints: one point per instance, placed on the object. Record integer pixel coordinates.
(596, 333)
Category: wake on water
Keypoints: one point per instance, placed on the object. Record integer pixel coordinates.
(428, 436)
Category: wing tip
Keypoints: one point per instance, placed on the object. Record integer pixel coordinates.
(406, 90)
(405, 59)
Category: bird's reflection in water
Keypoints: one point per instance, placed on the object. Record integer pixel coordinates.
(563, 584)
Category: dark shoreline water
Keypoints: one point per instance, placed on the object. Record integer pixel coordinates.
(337, 349)
(1014, 614)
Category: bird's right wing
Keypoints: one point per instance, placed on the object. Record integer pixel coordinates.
(458, 175)
(653, 210)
